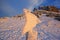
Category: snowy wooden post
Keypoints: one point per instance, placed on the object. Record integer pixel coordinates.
(32, 35)
(31, 21)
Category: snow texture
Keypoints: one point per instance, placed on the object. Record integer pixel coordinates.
(48, 29)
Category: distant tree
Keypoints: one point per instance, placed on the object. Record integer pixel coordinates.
(39, 7)
(43, 8)
(35, 9)
(49, 8)
(53, 8)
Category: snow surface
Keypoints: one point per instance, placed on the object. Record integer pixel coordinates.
(49, 29)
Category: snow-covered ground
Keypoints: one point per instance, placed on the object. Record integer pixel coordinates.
(48, 29)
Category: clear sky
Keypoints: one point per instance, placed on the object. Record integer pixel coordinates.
(15, 7)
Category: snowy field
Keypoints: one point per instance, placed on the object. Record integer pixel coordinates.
(48, 29)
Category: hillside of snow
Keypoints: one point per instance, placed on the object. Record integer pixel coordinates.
(11, 28)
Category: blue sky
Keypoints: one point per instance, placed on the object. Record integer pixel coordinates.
(15, 7)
